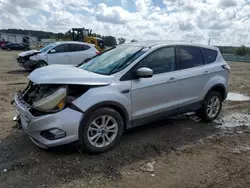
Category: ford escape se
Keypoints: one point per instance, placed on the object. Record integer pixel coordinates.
(130, 85)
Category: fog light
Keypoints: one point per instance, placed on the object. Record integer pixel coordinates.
(16, 118)
(53, 134)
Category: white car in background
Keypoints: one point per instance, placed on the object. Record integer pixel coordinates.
(64, 53)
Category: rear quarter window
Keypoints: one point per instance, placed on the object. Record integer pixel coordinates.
(209, 55)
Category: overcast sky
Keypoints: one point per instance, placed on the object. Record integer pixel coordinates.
(224, 21)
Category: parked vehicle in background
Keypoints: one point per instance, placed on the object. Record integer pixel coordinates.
(85, 35)
(127, 86)
(14, 46)
(65, 53)
(3, 42)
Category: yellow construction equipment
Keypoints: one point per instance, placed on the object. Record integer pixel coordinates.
(85, 35)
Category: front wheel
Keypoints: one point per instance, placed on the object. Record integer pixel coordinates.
(41, 64)
(102, 130)
(211, 107)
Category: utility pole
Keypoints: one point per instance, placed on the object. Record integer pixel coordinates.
(209, 41)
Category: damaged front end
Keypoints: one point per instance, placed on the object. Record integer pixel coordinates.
(23, 59)
(42, 99)
(46, 113)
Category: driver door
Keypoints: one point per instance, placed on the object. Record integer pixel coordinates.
(156, 97)
(59, 55)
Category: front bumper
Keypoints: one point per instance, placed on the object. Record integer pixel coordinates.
(26, 64)
(67, 120)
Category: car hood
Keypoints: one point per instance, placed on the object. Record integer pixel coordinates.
(65, 74)
(30, 52)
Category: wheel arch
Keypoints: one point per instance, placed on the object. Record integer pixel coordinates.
(219, 88)
(42, 61)
(106, 104)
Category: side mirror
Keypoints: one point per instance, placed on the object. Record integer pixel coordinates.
(52, 51)
(144, 72)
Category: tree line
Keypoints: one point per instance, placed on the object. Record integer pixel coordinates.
(241, 51)
(111, 40)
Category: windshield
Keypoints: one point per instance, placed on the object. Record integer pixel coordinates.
(113, 61)
(46, 48)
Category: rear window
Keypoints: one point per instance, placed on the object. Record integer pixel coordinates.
(190, 56)
(209, 55)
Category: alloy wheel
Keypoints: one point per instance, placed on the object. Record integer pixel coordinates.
(102, 131)
(42, 65)
(213, 106)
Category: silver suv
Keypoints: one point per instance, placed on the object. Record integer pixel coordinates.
(124, 87)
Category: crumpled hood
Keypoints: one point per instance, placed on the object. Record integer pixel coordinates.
(30, 52)
(65, 74)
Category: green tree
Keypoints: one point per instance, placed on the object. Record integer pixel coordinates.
(109, 40)
(121, 40)
(134, 40)
(241, 50)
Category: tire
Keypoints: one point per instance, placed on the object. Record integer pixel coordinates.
(40, 64)
(97, 117)
(208, 113)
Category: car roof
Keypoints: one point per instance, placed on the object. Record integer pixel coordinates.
(155, 43)
(12, 43)
(72, 42)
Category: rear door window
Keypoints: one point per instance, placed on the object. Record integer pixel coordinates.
(209, 55)
(78, 47)
(190, 56)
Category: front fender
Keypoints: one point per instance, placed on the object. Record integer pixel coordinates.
(104, 96)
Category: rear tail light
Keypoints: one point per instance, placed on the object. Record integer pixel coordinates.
(97, 52)
(227, 67)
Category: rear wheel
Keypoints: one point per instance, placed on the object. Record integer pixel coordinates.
(102, 130)
(211, 107)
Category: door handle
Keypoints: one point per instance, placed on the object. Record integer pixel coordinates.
(206, 72)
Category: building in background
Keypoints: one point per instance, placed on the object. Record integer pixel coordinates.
(45, 42)
(18, 38)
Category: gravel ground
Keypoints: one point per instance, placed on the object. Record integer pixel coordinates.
(178, 152)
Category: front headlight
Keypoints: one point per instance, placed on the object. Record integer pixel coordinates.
(52, 103)
(33, 58)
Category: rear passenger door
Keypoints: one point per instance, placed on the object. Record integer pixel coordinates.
(192, 75)
(78, 53)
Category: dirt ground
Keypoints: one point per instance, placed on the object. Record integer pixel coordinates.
(178, 152)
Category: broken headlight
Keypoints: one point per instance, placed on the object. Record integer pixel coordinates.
(53, 102)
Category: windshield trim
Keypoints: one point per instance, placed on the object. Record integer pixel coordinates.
(52, 46)
(130, 58)
(80, 64)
